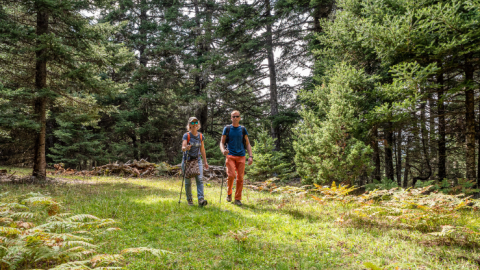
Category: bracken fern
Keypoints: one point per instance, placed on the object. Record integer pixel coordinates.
(60, 241)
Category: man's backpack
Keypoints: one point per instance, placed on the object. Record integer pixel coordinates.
(244, 133)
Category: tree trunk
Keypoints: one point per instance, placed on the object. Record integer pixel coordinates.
(442, 149)
(470, 120)
(136, 151)
(40, 104)
(321, 11)
(143, 59)
(407, 164)
(273, 76)
(432, 138)
(389, 173)
(426, 157)
(200, 81)
(143, 24)
(376, 154)
(399, 157)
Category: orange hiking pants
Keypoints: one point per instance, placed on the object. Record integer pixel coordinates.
(235, 163)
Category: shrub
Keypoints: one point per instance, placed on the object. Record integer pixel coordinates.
(463, 186)
(212, 149)
(267, 163)
(417, 209)
(385, 183)
(329, 143)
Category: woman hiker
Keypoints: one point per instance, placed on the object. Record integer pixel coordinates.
(193, 143)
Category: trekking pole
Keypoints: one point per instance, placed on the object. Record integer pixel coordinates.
(183, 178)
(223, 178)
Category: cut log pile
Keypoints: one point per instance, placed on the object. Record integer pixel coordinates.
(213, 172)
(136, 168)
(140, 168)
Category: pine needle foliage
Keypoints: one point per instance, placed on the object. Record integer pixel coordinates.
(268, 162)
(35, 235)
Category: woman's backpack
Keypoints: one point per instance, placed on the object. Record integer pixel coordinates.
(192, 169)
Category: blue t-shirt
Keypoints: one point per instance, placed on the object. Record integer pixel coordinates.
(235, 141)
(195, 143)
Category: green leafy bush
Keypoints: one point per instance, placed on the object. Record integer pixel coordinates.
(267, 162)
(463, 186)
(212, 149)
(385, 183)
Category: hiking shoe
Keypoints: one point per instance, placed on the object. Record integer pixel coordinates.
(229, 198)
(239, 203)
(202, 202)
(190, 202)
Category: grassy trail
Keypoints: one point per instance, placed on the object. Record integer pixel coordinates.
(287, 233)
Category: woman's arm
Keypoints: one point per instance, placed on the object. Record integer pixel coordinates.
(186, 147)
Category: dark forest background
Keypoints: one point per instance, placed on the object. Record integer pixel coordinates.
(356, 91)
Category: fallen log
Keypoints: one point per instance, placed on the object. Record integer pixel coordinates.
(141, 168)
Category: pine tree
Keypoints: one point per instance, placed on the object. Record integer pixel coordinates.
(331, 148)
(268, 162)
(60, 59)
(81, 145)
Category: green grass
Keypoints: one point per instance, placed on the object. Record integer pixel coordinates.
(293, 233)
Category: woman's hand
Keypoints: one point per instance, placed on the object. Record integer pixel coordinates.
(187, 148)
(206, 165)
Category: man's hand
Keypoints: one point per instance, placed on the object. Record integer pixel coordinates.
(206, 166)
(225, 152)
(250, 161)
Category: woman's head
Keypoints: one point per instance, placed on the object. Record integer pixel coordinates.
(193, 122)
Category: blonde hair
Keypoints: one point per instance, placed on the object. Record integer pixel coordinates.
(235, 112)
(188, 125)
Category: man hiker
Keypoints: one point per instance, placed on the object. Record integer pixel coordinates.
(235, 138)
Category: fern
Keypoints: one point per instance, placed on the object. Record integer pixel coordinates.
(105, 223)
(80, 265)
(9, 231)
(22, 215)
(41, 200)
(153, 251)
(60, 239)
(60, 225)
(108, 268)
(78, 243)
(13, 206)
(15, 255)
(107, 260)
(82, 218)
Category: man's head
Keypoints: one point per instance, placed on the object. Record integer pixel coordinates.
(235, 116)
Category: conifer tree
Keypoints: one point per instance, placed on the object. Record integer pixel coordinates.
(332, 148)
(60, 57)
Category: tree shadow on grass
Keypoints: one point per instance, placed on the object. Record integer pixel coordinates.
(294, 213)
(91, 190)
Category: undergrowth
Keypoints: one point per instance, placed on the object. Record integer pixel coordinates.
(34, 233)
(442, 216)
(278, 227)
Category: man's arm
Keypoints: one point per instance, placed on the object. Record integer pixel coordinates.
(222, 145)
(249, 150)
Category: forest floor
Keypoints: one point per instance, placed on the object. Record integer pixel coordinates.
(279, 232)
